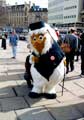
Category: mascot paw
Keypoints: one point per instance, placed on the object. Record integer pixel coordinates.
(34, 95)
(49, 96)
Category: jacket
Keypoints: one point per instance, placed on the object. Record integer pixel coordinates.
(13, 40)
(72, 41)
(49, 61)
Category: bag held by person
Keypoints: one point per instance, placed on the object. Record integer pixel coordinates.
(65, 47)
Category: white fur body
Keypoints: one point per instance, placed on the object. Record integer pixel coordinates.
(42, 85)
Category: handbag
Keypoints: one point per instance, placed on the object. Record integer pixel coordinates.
(66, 47)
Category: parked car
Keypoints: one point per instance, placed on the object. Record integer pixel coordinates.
(22, 37)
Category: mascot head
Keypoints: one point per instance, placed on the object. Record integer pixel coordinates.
(41, 37)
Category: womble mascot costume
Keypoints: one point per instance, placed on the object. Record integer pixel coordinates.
(46, 61)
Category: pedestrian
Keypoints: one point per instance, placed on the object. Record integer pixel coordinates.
(4, 37)
(13, 40)
(82, 54)
(56, 31)
(70, 39)
(77, 53)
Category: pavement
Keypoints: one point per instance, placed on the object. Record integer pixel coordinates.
(15, 103)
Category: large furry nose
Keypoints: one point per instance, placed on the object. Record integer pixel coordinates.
(39, 46)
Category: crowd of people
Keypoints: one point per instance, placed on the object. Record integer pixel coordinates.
(75, 40)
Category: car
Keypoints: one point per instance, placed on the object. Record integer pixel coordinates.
(22, 37)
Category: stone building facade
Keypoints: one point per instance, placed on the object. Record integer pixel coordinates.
(3, 13)
(17, 15)
(38, 15)
(23, 15)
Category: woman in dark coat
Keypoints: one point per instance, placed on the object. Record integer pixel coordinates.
(4, 37)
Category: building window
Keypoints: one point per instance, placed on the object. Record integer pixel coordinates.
(71, 7)
(71, 16)
(82, 19)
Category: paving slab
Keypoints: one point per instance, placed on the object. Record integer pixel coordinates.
(21, 82)
(80, 107)
(12, 77)
(22, 90)
(75, 87)
(81, 118)
(3, 76)
(37, 113)
(13, 103)
(16, 66)
(67, 96)
(8, 115)
(71, 86)
(80, 83)
(59, 88)
(73, 74)
(8, 84)
(3, 68)
(6, 92)
(40, 101)
(64, 111)
(0, 107)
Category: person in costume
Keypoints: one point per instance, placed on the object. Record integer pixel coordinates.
(46, 66)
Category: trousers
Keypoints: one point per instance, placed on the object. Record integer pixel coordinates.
(14, 50)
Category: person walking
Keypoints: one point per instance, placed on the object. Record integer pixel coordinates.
(77, 53)
(82, 54)
(70, 39)
(13, 40)
(3, 44)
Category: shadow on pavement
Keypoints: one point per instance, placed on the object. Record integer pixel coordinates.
(73, 78)
(53, 112)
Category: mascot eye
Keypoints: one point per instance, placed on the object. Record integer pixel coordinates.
(41, 37)
(34, 38)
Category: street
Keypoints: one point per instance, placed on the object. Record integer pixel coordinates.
(15, 103)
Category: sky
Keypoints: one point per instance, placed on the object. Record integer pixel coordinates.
(41, 3)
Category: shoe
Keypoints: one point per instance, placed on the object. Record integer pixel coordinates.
(82, 75)
(13, 57)
(34, 95)
(67, 71)
(49, 96)
(72, 69)
(76, 60)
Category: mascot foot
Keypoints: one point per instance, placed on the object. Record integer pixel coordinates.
(49, 96)
(34, 95)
